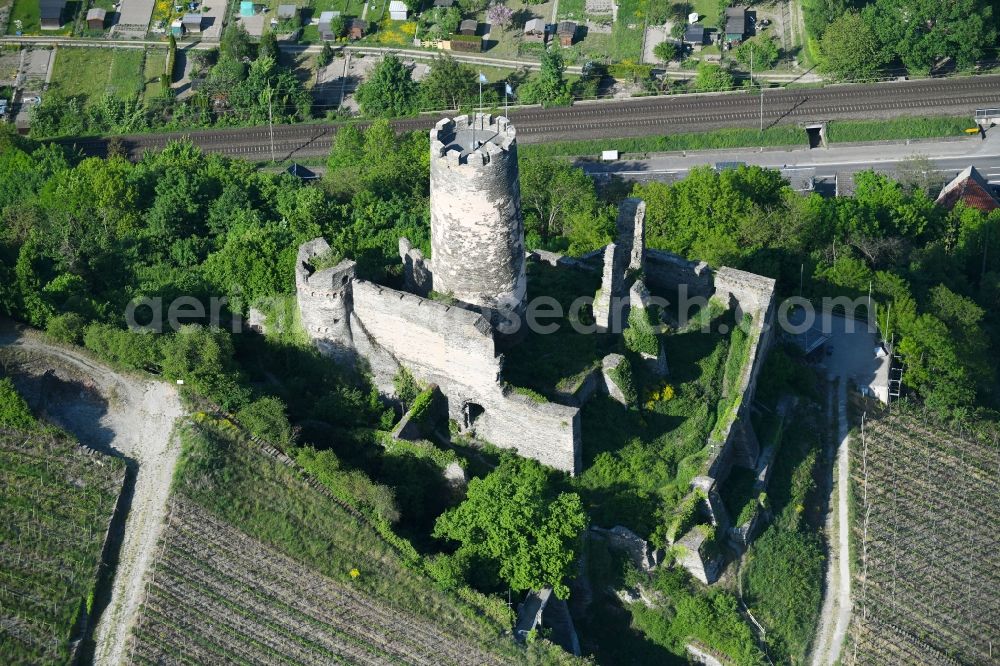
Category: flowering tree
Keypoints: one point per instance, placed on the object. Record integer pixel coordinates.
(500, 15)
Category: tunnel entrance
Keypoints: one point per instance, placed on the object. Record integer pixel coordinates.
(816, 134)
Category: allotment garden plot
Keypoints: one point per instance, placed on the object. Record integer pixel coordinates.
(928, 559)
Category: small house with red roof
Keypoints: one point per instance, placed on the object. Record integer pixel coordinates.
(970, 188)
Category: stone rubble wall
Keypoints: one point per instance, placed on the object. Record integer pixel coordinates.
(324, 300)
(610, 300)
(354, 321)
(631, 226)
(548, 432)
(417, 275)
(440, 344)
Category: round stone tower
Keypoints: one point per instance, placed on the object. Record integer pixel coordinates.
(477, 232)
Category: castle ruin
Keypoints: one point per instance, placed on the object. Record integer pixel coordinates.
(477, 277)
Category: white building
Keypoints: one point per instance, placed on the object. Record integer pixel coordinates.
(397, 10)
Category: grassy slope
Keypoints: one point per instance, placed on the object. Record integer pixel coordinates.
(270, 502)
(57, 502)
(781, 135)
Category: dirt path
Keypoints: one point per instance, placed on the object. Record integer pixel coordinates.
(136, 421)
(836, 613)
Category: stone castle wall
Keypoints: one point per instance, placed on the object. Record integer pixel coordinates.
(751, 294)
(441, 344)
(667, 272)
(477, 232)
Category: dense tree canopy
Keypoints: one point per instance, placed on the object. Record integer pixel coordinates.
(516, 518)
(851, 48)
(938, 270)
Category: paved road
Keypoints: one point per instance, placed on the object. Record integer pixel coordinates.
(633, 117)
(947, 156)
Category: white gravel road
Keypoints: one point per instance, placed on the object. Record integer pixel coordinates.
(138, 422)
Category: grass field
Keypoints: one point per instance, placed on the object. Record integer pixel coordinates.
(90, 72)
(57, 503)
(708, 10)
(156, 62)
(838, 131)
(127, 76)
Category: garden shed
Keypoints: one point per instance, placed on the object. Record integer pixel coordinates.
(325, 31)
(694, 35)
(468, 27)
(192, 22)
(356, 28)
(736, 24)
(95, 18)
(287, 12)
(566, 32)
(246, 8)
(50, 13)
(534, 30)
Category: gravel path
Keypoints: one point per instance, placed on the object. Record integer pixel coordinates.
(137, 422)
(836, 613)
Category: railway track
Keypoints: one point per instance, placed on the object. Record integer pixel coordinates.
(633, 117)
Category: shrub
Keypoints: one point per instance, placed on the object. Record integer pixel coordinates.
(14, 412)
(530, 394)
(685, 516)
(351, 486)
(624, 378)
(66, 328)
(406, 387)
(266, 419)
(131, 349)
(640, 336)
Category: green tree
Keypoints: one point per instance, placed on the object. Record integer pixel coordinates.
(666, 51)
(325, 56)
(66, 328)
(266, 419)
(923, 32)
(712, 78)
(818, 14)
(553, 192)
(850, 49)
(268, 46)
(389, 91)
(203, 359)
(549, 86)
(449, 85)
(517, 519)
(765, 53)
(236, 42)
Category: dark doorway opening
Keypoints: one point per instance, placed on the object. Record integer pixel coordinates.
(472, 411)
(815, 135)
